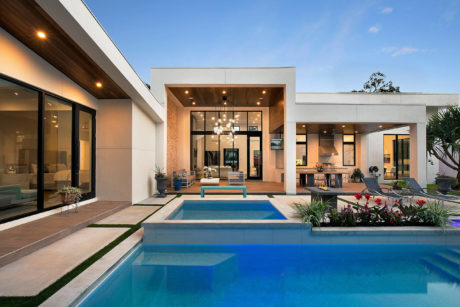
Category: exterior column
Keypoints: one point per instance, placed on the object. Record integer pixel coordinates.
(364, 143)
(418, 153)
(289, 157)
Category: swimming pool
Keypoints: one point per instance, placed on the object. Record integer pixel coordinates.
(279, 275)
(227, 210)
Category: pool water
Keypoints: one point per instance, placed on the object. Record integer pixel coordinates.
(227, 210)
(283, 275)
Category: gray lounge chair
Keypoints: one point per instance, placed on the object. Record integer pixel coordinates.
(416, 189)
(373, 188)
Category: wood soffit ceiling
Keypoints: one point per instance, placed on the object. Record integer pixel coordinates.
(236, 96)
(23, 19)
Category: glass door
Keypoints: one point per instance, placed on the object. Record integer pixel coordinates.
(85, 167)
(254, 157)
(403, 156)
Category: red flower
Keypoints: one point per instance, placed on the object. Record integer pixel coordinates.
(358, 196)
(378, 201)
(420, 202)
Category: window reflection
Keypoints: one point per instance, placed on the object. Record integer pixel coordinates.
(57, 148)
(18, 150)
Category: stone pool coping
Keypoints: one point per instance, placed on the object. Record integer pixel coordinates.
(162, 215)
(82, 285)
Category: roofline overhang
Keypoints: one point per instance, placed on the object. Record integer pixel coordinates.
(75, 18)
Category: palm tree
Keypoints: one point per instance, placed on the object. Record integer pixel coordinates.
(443, 137)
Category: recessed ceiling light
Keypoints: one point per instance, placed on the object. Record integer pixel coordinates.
(303, 126)
(258, 103)
(16, 93)
(356, 131)
(98, 84)
(343, 126)
(225, 103)
(325, 131)
(53, 121)
(41, 34)
(264, 92)
(193, 102)
(224, 92)
(56, 126)
(380, 126)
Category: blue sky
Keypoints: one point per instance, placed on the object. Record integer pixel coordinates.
(335, 45)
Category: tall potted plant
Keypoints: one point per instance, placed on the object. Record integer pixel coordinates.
(161, 180)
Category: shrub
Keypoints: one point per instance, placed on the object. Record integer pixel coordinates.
(313, 213)
(348, 216)
(436, 215)
(334, 218)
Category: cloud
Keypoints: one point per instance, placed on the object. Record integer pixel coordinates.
(397, 51)
(374, 29)
(386, 10)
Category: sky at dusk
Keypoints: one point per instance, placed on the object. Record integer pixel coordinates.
(335, 45)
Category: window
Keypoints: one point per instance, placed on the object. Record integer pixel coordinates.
(58, 148)
(301, 150)
(18, 150)
(224, 153)
(396, 158)
(349, 155)
(43, 146)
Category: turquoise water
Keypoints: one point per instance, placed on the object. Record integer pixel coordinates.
(227, 210)
(284, 275)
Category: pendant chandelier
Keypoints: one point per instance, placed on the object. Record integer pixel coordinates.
(225, 122)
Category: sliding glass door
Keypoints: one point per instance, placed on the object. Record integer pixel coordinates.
(46, 142)
(396, 156)
(85, 171)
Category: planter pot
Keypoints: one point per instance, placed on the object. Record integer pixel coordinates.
(67, 199)
(161, 186)
(444, 185)
(177, 184)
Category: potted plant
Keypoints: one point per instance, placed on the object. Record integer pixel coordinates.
(69, 194)
(319, 167)
(177, 182)
(357, 175)
(444, 183)
(161, 180)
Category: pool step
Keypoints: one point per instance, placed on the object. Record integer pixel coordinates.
(446, 263)
(200, 270)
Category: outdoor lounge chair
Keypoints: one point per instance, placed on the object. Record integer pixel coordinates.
(416, 189)
(373, 188)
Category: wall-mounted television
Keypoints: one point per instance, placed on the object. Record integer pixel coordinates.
(276, 144)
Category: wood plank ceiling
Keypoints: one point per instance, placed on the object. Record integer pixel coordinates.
(24, 18)
(236, 96)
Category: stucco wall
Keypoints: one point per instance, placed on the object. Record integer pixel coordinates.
(19, 62)
(143, 154)
(114, 150)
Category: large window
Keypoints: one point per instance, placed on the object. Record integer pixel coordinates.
(225, 153)
(18, 150)
(349, 150)
(39, 148)
(396, 156)
(301, 150)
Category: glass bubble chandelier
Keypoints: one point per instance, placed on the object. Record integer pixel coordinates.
(225, 123)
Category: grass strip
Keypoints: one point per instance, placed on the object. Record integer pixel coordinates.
(27, 301)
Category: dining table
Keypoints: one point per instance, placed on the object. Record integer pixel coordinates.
(307, 177)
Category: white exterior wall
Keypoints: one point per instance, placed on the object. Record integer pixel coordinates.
(284, 76)
(19, 62)
(114, 150)
(143, 155)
